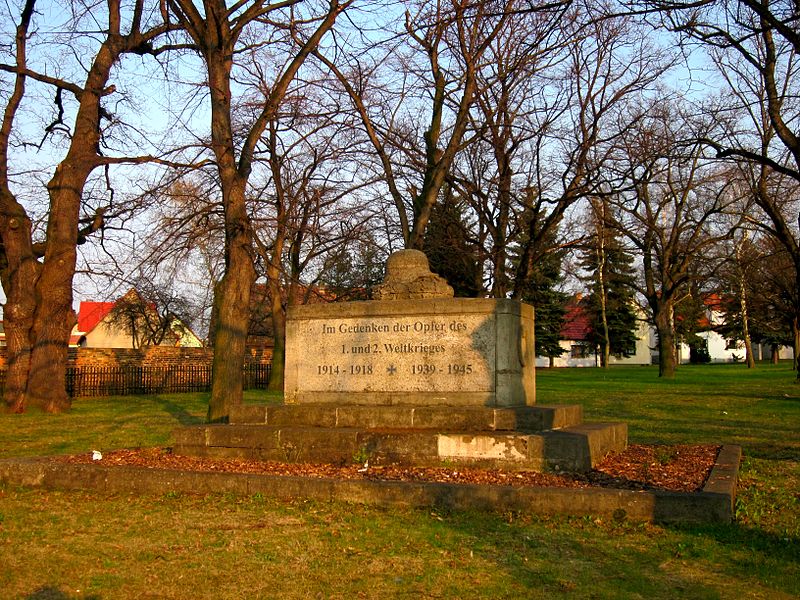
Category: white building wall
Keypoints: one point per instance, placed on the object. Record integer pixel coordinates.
(719, 353)
(642, 356)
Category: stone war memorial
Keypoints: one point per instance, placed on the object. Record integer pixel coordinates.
(413, 377)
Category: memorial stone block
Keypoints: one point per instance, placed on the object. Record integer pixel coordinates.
(417, 346)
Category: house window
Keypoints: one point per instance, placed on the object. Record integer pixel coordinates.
(731, 344)
(579, 351)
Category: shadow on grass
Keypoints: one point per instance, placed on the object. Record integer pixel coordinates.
(178, 412)
(609, 564)
(53, 593)
(786, 548)
(547, 559)
(767, 451)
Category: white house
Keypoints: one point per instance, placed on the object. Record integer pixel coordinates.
(581, 352)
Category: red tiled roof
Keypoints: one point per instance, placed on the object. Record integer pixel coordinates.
(91, 313)
(577, 323)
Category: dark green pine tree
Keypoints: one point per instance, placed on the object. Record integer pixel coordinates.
(450, 252)
(610, 269)
(541, 291)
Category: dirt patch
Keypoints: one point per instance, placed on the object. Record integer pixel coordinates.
(679, 468)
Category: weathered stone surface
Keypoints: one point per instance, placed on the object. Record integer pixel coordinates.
(575, 448)
(439, 418)
(408, 276)
(456, 352)
(580, 447)
(713, 505)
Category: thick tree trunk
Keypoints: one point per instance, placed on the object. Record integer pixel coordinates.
(39, 315)
(19, 275)
(667, 359)
(230, 337)
(232, 302)
(776, 354)
(54, 317)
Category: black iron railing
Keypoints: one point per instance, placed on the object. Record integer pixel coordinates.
(83, 382)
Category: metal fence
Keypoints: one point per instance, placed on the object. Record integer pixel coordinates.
(83, 382)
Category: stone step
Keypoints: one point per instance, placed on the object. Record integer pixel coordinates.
(574, 448)
(521, 419)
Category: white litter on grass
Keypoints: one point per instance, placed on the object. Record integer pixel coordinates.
(96, 455)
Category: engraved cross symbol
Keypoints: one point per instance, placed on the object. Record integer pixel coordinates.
(391, 369)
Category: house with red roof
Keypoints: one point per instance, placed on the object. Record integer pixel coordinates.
(97, 329)
(579, 350)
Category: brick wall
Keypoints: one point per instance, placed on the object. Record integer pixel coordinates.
(150, 356)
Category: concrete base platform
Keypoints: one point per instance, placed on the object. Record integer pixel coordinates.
(529, 437)
(714, 504)
(469, 418)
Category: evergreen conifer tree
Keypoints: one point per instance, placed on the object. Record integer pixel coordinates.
(542, 291)
(610, 302)
(450, 252)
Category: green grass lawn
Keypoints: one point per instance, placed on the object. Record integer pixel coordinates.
(70, 545)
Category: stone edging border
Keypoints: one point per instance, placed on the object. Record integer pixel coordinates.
(714, 504)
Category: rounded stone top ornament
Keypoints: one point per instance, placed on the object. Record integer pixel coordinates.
(408, 277)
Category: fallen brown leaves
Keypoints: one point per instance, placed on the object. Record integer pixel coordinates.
(680, 468)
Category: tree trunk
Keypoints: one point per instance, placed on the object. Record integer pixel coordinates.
(776, 354)
(279, 333)
(748, 344)
(230, 339)
(19, 275)
(39, 315)
(667, 359)
(232, 301)
(606, 343)
(796, 346)
(51, 330)
(54, 317)
(796, 321)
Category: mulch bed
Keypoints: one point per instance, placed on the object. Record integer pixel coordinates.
(678, 468)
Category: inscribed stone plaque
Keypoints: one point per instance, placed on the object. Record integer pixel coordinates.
(444, 351)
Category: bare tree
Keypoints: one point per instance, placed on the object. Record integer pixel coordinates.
(152, 314)
(446, 41)
(679, 207)
(219, 34)
(312, 197)
(755, 46)
(518, 101)
(37, 274)
(610, 69)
